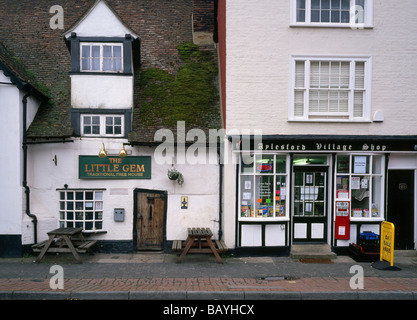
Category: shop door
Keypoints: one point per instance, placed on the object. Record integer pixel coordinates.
(309, 204)
(401, 207)
(149, 219)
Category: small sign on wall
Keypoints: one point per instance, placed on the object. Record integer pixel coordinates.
(184, 202)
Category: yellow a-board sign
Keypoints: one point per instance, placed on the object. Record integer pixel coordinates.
(387, 242)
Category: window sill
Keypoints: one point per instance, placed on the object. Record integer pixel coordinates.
(270, 219)
(104, 136)
(102, 73)
(330, 25)
(375, 219)
(93, 232)
(330, 120)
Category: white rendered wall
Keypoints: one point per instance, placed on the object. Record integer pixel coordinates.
(100, 21)
(12, 195)
(99, 91)
(200, 185)
(11, 192)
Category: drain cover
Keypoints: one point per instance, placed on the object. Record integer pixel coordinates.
(275, 278)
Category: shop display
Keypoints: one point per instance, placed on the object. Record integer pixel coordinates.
(263, 187)
(359, 178)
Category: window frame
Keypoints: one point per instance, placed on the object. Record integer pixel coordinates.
(64, 210)
(254, 189)
(102, 125)
(329, 116)
(371, 176)
(368, 17)
(101, 45)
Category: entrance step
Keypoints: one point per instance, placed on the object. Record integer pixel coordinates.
(312, 251)
(405, 253)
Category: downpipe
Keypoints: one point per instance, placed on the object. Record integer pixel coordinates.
(27, 189)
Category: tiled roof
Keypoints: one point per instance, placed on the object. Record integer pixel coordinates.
(13, 68)
(162, 25)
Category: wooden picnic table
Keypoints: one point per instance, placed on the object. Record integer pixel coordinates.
(199, 241)
(64, 240)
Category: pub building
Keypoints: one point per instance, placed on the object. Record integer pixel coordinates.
(322, 189)
(100, 96)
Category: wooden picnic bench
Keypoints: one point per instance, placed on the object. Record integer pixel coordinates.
(199, 241)
(64, 240)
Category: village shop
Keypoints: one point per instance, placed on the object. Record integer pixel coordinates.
(323, 189)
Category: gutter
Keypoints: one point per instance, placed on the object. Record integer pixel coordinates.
(27, 189)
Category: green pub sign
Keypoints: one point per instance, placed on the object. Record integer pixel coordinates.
(133, 167)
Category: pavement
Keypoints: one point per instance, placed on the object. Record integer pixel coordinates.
(158, 276)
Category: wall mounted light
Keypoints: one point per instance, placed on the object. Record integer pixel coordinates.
(103, 151)
(123, 152)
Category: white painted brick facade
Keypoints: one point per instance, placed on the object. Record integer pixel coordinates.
(260, 43)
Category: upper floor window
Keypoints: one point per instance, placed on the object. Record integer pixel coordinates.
(102, 125)
(332, 13)
(101, 57)
(330, 89)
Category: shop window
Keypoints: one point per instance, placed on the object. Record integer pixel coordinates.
(263, 186)
(332, 13)
(81, 208)
(330, 89)
(360, 180)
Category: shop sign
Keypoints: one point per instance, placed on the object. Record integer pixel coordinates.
(270, 146)
(328, 144)
(132, 167)
(387, 242)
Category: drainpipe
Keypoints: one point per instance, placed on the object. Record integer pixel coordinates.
(220, 192)
(25, 147)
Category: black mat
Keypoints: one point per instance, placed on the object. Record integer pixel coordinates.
(384, 265)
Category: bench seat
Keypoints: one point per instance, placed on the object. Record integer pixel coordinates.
(176, 245)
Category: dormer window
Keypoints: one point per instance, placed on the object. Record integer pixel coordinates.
(101, 57)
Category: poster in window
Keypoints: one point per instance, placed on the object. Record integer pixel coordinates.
(247, 195)
(359, 164)
(355, 183)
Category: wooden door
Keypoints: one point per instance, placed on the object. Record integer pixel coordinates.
(150, 219)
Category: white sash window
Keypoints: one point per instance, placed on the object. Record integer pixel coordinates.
(330, 89)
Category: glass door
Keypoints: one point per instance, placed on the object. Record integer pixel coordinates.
(309, 209)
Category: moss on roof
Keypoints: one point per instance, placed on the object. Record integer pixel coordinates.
(175, 81)
(190, 96)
